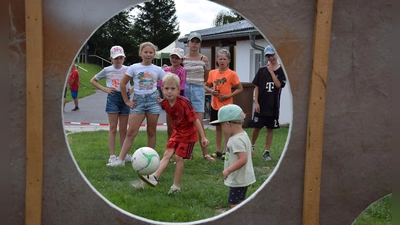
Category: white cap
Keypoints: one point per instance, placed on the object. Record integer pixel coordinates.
(177, 51)
(116, 51)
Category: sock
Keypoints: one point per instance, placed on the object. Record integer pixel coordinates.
(113, 156)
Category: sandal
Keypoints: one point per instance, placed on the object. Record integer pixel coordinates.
(223, 156)
(209, 158)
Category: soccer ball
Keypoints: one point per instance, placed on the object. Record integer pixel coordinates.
(145, 161)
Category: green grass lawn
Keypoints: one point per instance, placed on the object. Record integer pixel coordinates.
(85, 87)
(203, 193)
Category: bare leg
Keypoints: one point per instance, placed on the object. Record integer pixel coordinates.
(135, 120)
(113, 121)
(218, 137)
(178, 170)
(200, 117)
(151, 128)
(168, 153)
(76, 102)
(268, 139)
(123, 126)
(254, 135)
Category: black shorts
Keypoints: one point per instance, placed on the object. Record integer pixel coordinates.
(260, 121)
(213, 115)
(237, 195)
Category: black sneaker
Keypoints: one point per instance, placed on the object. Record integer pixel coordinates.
(75, 109)
(217, 155)
(266, 155)
(223, 156)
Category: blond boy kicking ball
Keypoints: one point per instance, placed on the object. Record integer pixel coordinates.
(238, 170)
(185, 126)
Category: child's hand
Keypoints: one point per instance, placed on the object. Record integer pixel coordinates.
(131, 104)
(205, 142)
(257, 107)
(222, 98)
(270, 70)
(159, 100)
(109, 90)
(215, 93)
(225, 173)
(130, 91)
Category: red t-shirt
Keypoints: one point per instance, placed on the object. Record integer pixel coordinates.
(74, 75)
(182, 117)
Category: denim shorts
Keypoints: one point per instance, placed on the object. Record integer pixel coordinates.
(116, 104)
(196, 94)
(146, 103)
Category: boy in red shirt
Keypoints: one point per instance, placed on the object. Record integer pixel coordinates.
(185, 126)
(73, 83)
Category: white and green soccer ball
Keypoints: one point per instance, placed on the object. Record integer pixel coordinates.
(145, 161)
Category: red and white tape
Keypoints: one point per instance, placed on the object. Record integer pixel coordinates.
(102, 124)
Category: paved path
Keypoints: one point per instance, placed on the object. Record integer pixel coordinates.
(92, 115)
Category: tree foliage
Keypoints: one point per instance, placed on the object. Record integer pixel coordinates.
(156, 22)
(225, 17)
(116, 31)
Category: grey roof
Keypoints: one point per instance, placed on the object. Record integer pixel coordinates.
(240, 28)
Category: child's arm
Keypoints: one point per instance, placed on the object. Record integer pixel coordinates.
(125, 79)
(200, 130)
(239, 88)
(95, 83)
(242, 160)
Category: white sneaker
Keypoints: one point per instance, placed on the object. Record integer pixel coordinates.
(173, 189)
(116, 163)
(112, 158)
(128, 158)
(149, 179)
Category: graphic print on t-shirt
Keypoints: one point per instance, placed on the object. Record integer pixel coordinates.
(218, 83)
(147, 80)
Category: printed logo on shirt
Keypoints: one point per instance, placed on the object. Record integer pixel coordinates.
(147, 80)
(269, 86)
(219, 82)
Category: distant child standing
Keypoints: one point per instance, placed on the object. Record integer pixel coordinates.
(269, 81)
(144, 102)
(238, 170)
(197, 70)
(73, 83)
(221, 80)
(176, 59)
(186, 127)
(116, 109)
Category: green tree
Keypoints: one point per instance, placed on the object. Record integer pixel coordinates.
(225, 17)
(116, 31)
(156, 22)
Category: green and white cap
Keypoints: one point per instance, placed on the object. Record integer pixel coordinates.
(230, 112)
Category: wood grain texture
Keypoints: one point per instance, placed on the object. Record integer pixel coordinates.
(34, 112)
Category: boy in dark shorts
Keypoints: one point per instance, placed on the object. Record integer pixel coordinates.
(238, 170)
(268, 82)
(185, 126)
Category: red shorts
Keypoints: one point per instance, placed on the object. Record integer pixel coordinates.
(184, 150)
